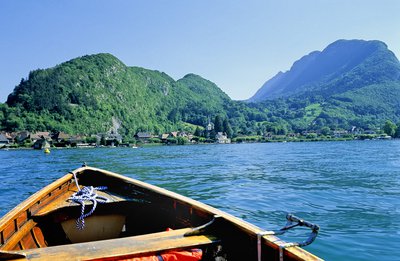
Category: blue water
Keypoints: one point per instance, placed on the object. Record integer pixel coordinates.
(351, 189)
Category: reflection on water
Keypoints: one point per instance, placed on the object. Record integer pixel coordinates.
(351, 189)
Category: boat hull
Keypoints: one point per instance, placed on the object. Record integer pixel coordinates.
(130, 224)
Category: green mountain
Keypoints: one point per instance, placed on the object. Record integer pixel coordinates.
(350, 83)
(92, 93)
(342, 66)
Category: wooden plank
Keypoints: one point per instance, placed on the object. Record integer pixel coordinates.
(62, 189)
(52, 196)
(28, 241)
(31, 201)
(57, 192)
(17, 247)
(122, 247)
(38, 237)
(62, 202)
(22, 218)
(9, 230)
(11, 243)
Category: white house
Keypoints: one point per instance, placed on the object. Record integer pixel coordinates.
(222, 138)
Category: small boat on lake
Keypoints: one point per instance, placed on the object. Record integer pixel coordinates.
(93, 214)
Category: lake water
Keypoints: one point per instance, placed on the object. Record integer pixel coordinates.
(351, 189)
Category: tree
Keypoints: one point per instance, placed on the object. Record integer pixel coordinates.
(390, 128)
(14, 123)
(197, 132)
(282, 130)
(103, 141)
(1, 117)
(227, 128)
(325, 131)
(397, 134)
(218, 124)
(182, 140)
(212, 134)
(90, 139)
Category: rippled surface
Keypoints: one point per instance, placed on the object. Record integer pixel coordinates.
(351, 189)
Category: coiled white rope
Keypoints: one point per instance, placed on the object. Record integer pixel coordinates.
(86, 194)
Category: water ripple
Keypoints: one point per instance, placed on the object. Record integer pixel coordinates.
(351, 189)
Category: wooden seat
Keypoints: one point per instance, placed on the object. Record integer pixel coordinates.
(63, 202)
(122, 247)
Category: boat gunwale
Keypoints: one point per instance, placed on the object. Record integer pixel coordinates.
(250, 229)
(32, 200)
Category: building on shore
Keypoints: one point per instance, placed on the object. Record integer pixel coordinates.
(41, 144)
(143, 136)
(222, 138)
(3, 140)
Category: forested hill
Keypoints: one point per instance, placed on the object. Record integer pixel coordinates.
(350, 84)
(87, 94)
(340, 89)
(345, 65)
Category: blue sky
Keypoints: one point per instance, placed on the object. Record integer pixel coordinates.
(236, 44)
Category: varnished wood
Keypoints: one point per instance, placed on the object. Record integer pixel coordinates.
(63, 202)
(38, 237)
(17, 236)
(31, 201)
(28, 241)
(35, 223)
(122, 247)
(8, 231)
(22, 218)
(60, 202)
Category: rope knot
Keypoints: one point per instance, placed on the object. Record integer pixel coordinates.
(84, 195)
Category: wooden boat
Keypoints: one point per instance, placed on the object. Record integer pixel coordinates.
(131, 221)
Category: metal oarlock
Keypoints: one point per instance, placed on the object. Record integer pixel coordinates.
(292, 221)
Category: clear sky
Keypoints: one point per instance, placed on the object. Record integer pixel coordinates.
(236, 44)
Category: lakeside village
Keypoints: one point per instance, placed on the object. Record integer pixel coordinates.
(209, 134)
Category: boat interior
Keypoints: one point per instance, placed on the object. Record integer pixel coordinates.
(141, 220)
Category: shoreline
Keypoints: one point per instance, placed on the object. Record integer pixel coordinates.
(146, 145)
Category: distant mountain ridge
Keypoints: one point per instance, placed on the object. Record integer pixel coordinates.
(350, 84)
(342, 66)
